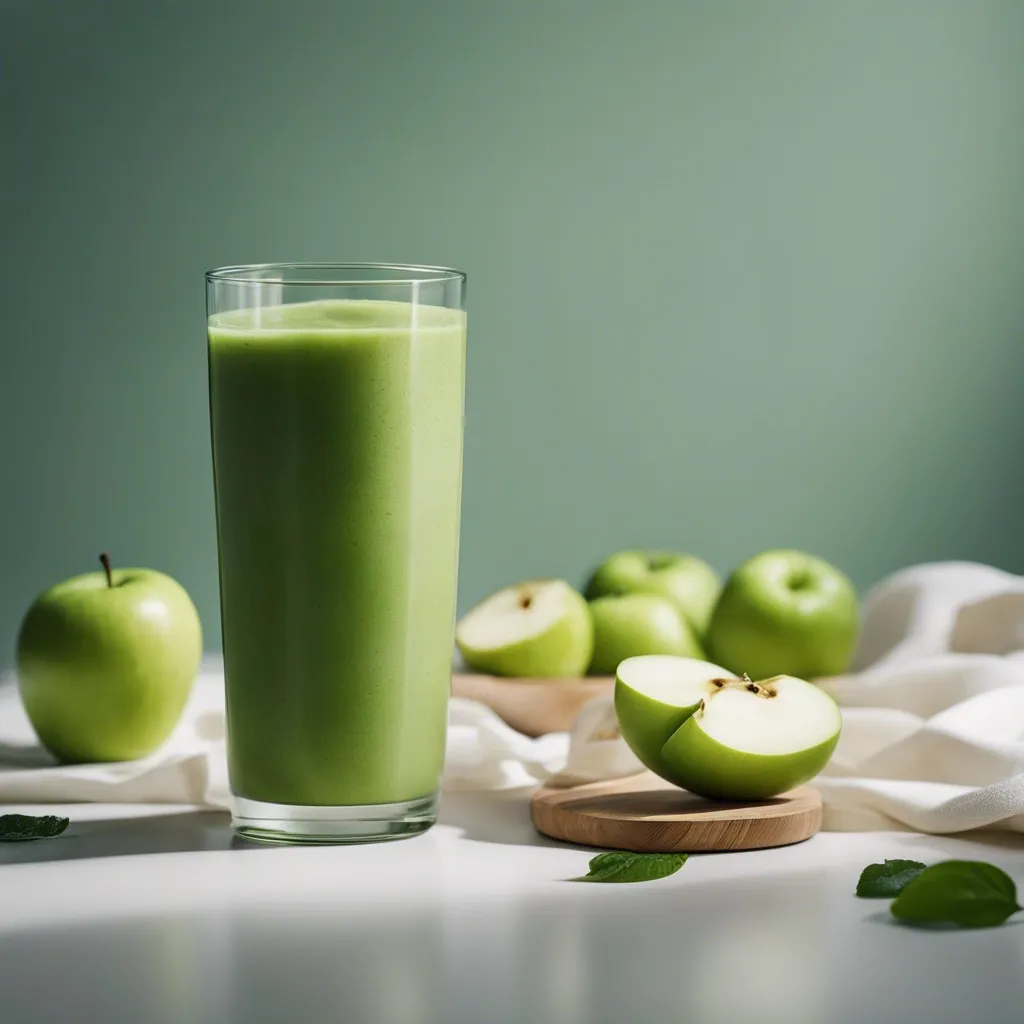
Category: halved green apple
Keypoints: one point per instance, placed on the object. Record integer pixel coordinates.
(701, 728)
(540, 628)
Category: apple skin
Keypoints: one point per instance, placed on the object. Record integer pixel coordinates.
(629, 625)
(104, 671)
(785, 613)
(563, 652)
(702, 765)
(646, 723)
(689, 582)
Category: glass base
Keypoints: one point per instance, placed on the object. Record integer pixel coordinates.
(365, 823)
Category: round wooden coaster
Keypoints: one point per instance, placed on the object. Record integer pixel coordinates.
(646, 814)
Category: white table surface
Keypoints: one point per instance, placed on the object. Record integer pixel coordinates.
(158, 915)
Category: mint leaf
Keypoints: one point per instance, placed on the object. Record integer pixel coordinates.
(968, 893)
(886, 880)
(632, 867)
(20, 828)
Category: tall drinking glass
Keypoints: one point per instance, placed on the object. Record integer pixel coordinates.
(336, 407)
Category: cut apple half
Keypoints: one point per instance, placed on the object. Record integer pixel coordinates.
(537, 629)
(654, 695)
(720, 736)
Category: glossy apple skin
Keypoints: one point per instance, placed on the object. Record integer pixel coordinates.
(764, 625)
(689, 582)
(629, 625)
(646, 725)
(563, 651)
(104, 672)
(702, 765)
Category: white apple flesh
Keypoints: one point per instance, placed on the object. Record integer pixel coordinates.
(538, 629)
(703, 729)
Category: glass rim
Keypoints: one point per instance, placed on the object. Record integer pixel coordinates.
(248, 273)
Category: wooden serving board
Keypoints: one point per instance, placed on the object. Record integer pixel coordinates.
(532, 706)
(646, 814)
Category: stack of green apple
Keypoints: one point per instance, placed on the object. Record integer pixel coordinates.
(745, 724)
(106, 662)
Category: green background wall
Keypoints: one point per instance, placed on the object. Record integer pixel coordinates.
(741, 274)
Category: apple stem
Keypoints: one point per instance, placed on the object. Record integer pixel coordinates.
(105, 562)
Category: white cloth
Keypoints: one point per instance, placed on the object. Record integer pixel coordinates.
(933, 724)
(191, 768)
(933, 713)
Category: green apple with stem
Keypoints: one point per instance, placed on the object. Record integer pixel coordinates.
(627, 625)
(538, 629)
(785, 613)
(689, 582)
(723, 737)
(106, 661)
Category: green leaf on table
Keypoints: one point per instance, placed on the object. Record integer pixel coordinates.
(878, 881)
(632, 867)
(968, 893)
(20, 828)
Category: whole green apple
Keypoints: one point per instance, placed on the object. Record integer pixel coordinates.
(689, 582)
(538, 629)
(722, 737)
(106, 661)
(785, 613)
(628, 625)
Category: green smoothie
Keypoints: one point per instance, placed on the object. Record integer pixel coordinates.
(337, 448)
